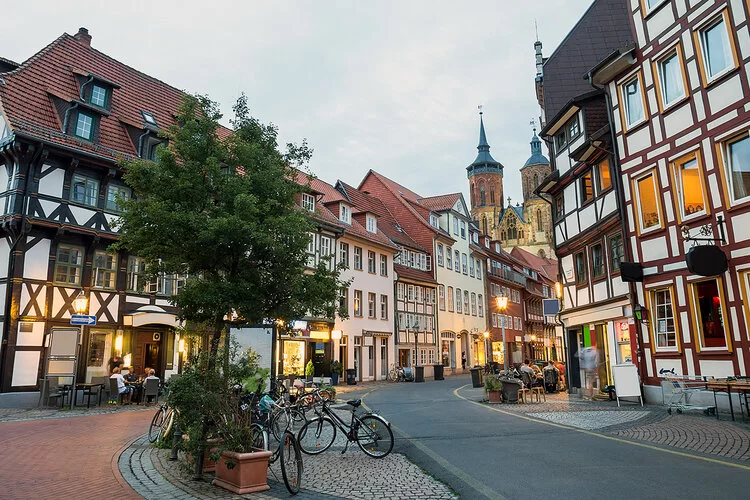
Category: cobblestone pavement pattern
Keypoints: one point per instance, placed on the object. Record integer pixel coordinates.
(48, 457)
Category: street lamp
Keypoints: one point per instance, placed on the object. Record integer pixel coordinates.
(80, 306)
(415, 328)
(502, 304)
(533, 353)
(486, 354)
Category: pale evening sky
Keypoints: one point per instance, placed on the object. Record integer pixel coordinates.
(386, 85)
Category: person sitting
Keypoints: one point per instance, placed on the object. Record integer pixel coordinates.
(146, 373)
(124, 390)
(551, 376)
(151, 376)
(536, 380)
(136, 388)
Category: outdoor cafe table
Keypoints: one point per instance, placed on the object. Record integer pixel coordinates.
(741, 387)
(88, 390)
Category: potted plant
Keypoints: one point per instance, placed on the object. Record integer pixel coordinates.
(494, 388)
(309, 370)
(336, 370)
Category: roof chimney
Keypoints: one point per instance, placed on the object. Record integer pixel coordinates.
(83, 36)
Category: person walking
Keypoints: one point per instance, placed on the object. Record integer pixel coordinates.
(589, 362)
(463, 360)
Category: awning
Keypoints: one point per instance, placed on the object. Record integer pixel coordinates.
(150, 315)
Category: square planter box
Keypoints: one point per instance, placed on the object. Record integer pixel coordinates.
(249, 472)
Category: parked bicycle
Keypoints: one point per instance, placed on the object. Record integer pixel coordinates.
(396, 374)
(371, 432)
(161, 424)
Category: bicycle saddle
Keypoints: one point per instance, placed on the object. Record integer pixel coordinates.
(354, 402)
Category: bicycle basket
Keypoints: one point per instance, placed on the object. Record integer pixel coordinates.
(266, 403)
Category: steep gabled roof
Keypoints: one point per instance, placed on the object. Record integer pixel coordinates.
(518, 210)
(52, 75)
(440, 202)
(543, 265)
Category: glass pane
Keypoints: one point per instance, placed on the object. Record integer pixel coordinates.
(648, 203)
(671, 79)
(98, 96)
(83, 126)
(739, 164)
(691, 187)
(587, 187)
(633, 102)
(605, 179)
(711, 317)
(718, 53)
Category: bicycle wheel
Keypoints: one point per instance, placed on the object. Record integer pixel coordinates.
(374, 436)
(317, 435)
(291, 463)
(155, 427)
(166, 425)
(292, 420)
(260, 437)
(393, 375)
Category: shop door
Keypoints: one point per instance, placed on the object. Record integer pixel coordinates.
(152, 359)
(383, 359)
(403, 357)
(370, 361)
(602, 347)
(357, 361)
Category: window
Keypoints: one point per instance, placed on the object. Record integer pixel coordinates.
(371, 305)
(441, 297)
(345, 214)
(433, 220)
(539, 221)
(580, 267)
(308, 202)
(459, 298)
(603, 177)
(482, 195)
(463, 229)
(136, 281)
(709, 311)
(492, 194)
(464, 263)
(418, 296)
(383, 265)
(383, 306)
(344, 254)
(479, 269)
(480, 303)
(455, 225)
(473, 304)
(663, 322)
(113, 193)
(559, 207)
(450, 299)
(358, 303)
(84, 126)
(632, 103)
(716, 54)
(471, 267)
(327, 251)
(616, 252)
(358, 258)
(170, 284)
(587, 188)
(466, 302)
(103, 270)
(311, 249)
(371, 262)
(647, 201)
(68, 264)
(567, 134)
(650, 5)
(410, 293)
(372, 224)
(597, 261)
(344, 299)
(148, 117)
(400, 291)
(737, 159)
(84, 190)
(440, 255)
(449, 257)
(671, 85)
(688, 183)
(457, 262)
(98, 96)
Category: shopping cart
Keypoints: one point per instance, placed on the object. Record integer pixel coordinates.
(677, 391)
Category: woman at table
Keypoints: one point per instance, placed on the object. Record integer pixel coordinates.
(124, 390)
(132, 380)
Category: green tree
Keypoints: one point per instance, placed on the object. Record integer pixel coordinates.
(219, 206)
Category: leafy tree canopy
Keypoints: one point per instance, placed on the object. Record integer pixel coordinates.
(220, 207)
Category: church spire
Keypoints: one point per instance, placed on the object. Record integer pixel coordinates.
(483, 146)
(484, 159)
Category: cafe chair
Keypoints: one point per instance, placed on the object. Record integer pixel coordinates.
(151, 388)
(50, 389)
(114, 392)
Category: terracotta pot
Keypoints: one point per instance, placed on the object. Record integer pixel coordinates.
(495, 396)
(248, 475)
(208, 464)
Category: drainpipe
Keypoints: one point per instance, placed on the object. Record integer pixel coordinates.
(617, 179)
(140, 142)
(83, 87)
(65, 118)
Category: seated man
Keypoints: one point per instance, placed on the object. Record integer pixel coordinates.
(151, 376)
(122, 388)
(551, 376)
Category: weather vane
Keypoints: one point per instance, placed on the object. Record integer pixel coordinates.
(480, 109)
(533, 124)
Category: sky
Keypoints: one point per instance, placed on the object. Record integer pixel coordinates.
(386, 85)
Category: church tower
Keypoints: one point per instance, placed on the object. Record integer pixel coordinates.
(537, 211)
(485, 186)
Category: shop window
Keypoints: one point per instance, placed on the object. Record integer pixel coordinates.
(68, 264)
(580, 268)
(671, 84)
(294, 357)
(103, 270)
(709, 311)
(632, 102)
(616, 252)
(717, 53)
(97, 350)
(358, 303)
(737, 168)
(597, 261)
(646, 197)
(663, 321)
(587, 188)
(690, 194)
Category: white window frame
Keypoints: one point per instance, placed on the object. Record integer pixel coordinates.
(661, 329)
(440, 254)
(84, 127)
(102, 94)
(639, 207)
(727, 161)
(344, 253)
(459, 301)
(441, 297)
(675, 54)
(700, 42)
(383, 306)
(136, 281)
(625, 110)
(372, 224)
(480, 305)
(308, 202)
(358, 258)
(383, 265)
(345, 214)
(357, 303)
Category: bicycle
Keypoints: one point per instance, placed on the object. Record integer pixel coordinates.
(396, 374)
(371, 432)
(161, 424)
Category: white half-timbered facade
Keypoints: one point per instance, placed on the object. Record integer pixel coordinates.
(680, 103)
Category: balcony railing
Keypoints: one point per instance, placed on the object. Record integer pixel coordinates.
(509, 275)
(534, 288)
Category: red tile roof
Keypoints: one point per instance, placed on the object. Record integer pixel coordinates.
(409, 273)
(545, 266)
(27, 97)
(441, 202)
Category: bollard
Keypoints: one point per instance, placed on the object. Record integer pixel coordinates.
(176, 438)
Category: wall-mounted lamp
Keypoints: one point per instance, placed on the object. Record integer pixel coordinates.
(336, 334)
(640, 313)
(181, 346)
(118, 341)
(558, 289)
(486, 335)
(80, 303)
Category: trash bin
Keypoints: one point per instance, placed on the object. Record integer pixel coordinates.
(351, 376)
(439, 372)
(419, 374)
(476, 377)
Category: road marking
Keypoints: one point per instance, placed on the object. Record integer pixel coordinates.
(603, 436)
(473, 483)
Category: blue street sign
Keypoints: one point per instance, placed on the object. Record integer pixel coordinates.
(82, 319)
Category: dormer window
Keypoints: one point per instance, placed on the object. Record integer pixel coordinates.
(345, 214)
(433, 220)
(84, 126)
(98, 96)
(308, 202)
(149, 118)
(372, 224)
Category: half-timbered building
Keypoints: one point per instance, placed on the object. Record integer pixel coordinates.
(679, 107)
